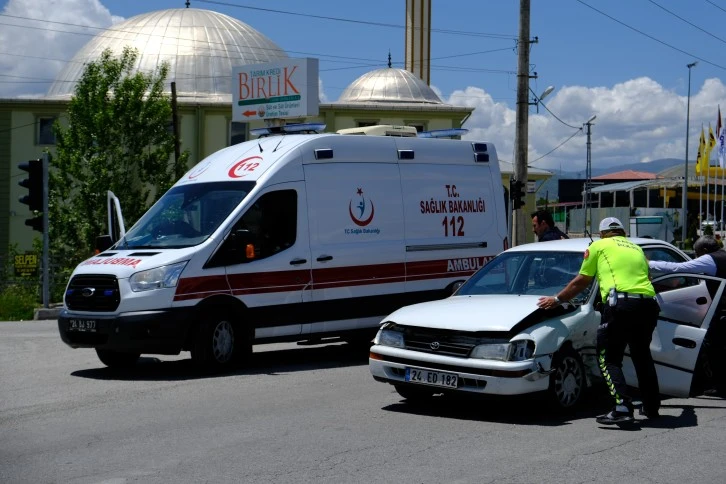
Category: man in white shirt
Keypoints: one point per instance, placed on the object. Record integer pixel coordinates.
(710, 260)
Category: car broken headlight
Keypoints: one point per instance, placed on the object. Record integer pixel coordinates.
(518, 350)
(390, 335)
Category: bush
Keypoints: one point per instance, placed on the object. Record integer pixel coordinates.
(17, 302)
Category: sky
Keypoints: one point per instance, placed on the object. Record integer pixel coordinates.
(624, 61)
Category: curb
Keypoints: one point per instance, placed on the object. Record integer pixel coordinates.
(46, 313)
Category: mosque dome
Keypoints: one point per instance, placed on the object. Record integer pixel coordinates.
(389, 85)
(201, 47)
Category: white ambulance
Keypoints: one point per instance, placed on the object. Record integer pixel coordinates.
(297, 237)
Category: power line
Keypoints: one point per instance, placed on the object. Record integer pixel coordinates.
(686, 21)
(718, 7)
(556, 147)
(650, 36)
(362, 22)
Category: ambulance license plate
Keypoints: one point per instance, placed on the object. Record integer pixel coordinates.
(435, 378)
(82, 325)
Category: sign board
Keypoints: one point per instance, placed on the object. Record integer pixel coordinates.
(26, 265)
(531, 186)
(276, 90)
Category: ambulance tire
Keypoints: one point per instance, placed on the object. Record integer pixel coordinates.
(220, 343)
(117, 360)
(568, 383)
(414, 394)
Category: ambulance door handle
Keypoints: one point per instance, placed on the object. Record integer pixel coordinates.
(324, 258)
(297, 262)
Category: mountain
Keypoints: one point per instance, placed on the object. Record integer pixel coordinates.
(549, 188)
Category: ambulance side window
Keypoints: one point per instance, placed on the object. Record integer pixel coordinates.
(271, 222)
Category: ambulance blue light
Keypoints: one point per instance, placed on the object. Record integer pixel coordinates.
(289, 129)
(443, 133)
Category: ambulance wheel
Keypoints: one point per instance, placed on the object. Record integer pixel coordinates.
(220, 343)
(414, 394)
(117, 360)
(568, 382)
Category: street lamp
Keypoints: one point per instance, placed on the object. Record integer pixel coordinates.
(538, 99)
(588, 175)
(684, 223)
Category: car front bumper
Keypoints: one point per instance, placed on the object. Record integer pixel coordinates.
(388, 364)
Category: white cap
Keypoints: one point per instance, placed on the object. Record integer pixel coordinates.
(610, 223)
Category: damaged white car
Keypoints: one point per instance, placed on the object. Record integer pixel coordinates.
(491, 338)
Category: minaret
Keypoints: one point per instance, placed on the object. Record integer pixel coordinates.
(418, 38)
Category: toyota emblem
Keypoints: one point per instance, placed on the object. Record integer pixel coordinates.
(435, 345)
(88, 291)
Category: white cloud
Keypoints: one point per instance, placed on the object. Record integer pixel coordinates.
(33, 52)
(637, 121)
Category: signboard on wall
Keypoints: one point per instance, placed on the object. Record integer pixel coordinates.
(26, 265)
(275, 90)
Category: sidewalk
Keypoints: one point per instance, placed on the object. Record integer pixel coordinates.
(47, 313)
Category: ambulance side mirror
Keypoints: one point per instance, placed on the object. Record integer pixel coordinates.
(103, 243)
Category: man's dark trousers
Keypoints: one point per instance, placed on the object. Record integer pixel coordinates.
(630, 323)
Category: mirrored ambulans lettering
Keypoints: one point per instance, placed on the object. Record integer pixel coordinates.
(244, 167)
(467, 264)
(119, 261)
(453, 226)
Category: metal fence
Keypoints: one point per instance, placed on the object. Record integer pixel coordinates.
(17, 272)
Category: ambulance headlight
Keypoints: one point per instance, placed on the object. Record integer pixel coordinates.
(504, 351)
(157, 278)
(390, 335)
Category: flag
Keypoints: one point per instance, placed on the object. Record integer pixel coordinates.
(709, 146)
(701, 152)
(718, 122)
(721, 147)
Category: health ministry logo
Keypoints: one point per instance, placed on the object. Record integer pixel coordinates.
(362, 212)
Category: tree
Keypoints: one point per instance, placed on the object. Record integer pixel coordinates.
(117, 139)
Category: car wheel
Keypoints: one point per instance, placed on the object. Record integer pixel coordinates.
(568, 381)
(116, 359)
(414, 394)
(220, 343)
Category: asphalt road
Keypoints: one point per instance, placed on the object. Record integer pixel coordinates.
(310, 415)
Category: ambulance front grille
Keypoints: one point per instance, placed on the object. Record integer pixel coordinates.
(93, 292)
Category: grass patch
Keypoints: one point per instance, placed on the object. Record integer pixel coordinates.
(18, 302)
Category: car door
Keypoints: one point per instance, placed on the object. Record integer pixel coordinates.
(687, 302)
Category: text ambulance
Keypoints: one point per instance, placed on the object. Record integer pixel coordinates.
(290, 238)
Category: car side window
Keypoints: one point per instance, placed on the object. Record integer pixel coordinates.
(685, 300)
(662, 254)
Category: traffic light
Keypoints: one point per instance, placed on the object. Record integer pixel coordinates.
(34, 198)
(516, 193)
(34, 184)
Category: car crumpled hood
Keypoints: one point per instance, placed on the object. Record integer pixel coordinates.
(473, 313)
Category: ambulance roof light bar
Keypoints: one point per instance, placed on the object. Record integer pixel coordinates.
(443, 133)
(309, 128)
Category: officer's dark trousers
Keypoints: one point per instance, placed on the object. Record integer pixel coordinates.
(630, 323)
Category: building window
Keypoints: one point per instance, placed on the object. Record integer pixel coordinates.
(45, 135)
(237, 132)
(363, 124)
(419, 125)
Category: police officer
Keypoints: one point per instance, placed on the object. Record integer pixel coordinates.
(544, 227)
(710, 261)
(629, 317)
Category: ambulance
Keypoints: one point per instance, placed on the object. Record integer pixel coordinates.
(293, 237)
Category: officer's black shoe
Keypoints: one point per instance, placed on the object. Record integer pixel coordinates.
(715, 392)
(615, 417)
(649, 414)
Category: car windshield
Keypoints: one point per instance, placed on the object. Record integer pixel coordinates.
(542, 273)
(185, 216)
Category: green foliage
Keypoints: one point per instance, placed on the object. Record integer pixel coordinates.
(17, 302)
(117, 139)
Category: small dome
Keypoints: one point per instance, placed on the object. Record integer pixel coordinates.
(201, 47)
(389, 85)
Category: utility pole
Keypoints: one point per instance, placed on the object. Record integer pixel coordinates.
(520, 219)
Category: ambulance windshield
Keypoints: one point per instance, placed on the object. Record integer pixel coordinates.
(186, 215)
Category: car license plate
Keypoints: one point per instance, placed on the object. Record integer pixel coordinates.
(85, 325)
(436, 378)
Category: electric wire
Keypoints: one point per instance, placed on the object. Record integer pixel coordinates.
(706, 61)
(579, 130)
(686, 21)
